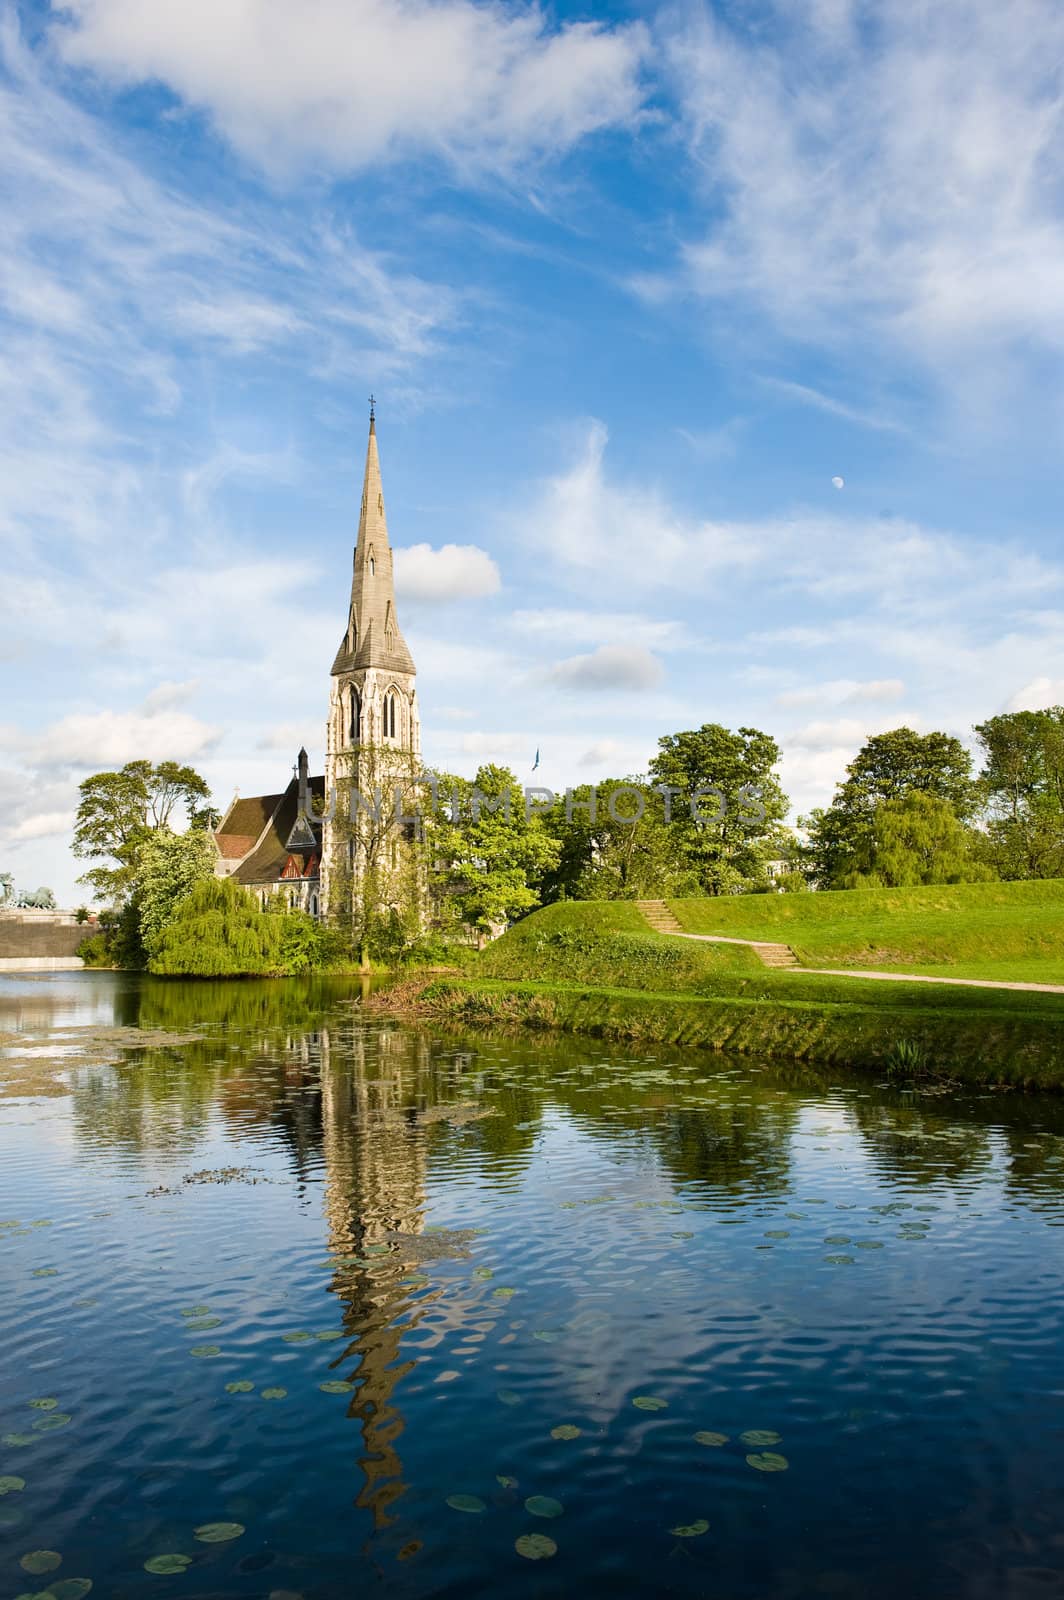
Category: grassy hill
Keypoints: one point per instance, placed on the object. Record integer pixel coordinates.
(595, 967)
(966, 930)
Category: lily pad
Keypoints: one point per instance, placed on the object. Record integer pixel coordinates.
(504, 1294)
(16, 1440)
(484, 1273)
(67, 1589)
(275, 1393)
(45, 1272)
(543, 1505)
(50, 1420)
(36, 1561)
(296, 1338)
(203, 1352)
(690, 1530)
(768, 1461)
(11, 1484)
(649, 1402)
(839, 1261)
(218, 1532)
(163, 1566)
(195, 1311)
(328, 1334)
(466, 1502)
(239, 1386)
(509, 1397)
(535, 1547)
(565, 1430)
(335, 1386)
(709, 1438)
(201, 1324)
(43, 1405)
(757, 1437)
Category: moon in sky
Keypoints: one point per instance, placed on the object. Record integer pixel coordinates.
(840, 483)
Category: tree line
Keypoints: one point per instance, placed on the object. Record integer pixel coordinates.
(911, 809)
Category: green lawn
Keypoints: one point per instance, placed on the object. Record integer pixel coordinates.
(595, 967)
(979, 930)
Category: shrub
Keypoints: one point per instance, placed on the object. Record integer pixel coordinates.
(95, 951)
(218, 931)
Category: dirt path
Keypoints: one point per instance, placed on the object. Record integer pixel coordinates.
(781, 955)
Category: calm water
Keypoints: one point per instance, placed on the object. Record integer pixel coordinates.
(872, 1280)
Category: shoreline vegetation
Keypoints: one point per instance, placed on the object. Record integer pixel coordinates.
(596, 968)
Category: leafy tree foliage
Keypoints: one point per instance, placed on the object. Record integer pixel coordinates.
(118, 810)
(916, 839)
(488, 858)
(888, 768)
(169, 865)
(620, 852)
(1022, 784)
(219, 931)
(725, 846)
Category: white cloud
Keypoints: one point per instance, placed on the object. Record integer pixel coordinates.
(1038, 695)
(900, 175)
(609, 668)
(45, 825)
(454, 572)
(835, 408)
(626, 530)
(559, 623)
(843, 691)
(111, 738)
(346, 83)
(598, 755)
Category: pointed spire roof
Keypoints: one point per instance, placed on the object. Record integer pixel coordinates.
(373, 638)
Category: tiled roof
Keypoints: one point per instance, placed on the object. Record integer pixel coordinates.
(267, 862)
(243, 823)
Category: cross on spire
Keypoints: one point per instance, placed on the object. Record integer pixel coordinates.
(372, 408)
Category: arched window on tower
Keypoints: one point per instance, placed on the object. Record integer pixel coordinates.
(354, 717)
(391, 715)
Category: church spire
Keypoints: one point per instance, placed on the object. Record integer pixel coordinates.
(373, 638)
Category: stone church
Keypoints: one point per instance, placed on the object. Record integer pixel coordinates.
(317, 842)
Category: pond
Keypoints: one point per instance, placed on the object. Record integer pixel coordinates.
(296, 1303)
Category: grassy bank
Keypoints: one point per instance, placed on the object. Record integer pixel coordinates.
(965, 930)
(595, 968)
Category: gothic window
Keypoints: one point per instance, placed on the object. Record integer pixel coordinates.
(313, 905)
(391, 719)
(354, 717)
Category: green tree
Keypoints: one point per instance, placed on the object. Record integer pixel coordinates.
(725, 803)
(624, 853)
(169, 865)
(218, 931)
(1022, 785)
(489, 858)
(916, 839)
(888, 767)
(118, 810)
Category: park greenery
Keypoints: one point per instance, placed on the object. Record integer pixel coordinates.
(911, 812)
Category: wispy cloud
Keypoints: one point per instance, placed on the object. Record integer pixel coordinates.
(486, 88)
(890, 172)
(806, 396)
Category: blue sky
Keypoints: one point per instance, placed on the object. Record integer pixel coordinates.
(632, 286)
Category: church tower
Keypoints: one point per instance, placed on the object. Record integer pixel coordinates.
(373, 740)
